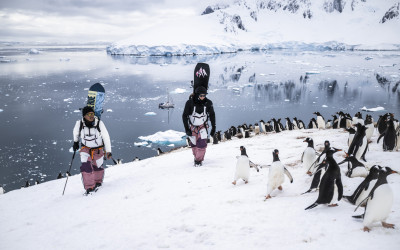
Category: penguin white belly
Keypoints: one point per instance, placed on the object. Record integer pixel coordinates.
(364, 193)
(257, 130)
(350, 140)
(1, 190)
(359, 172)
(275, 177)
(320, 122)
(309, 158)
(379, 208)
(370, 131)
(242, 168)
(335, 195)
(361, 149)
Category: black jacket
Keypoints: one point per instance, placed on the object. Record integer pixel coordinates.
(194, 101)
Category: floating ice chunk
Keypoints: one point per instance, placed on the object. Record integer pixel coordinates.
(68, 100)
(47, 99)
(64, 59)
(55, 143)
(324, 106)
(150, 113)
(368, 58)
(165, 137)
(77, 111)
(1, 110)
(109, 110)
(312, 72)
(34, 52)
(178, 91)
(171, 145)
(287, 100)
(138, 144)
(372, 109)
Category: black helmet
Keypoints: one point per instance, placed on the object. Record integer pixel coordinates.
(201, 90)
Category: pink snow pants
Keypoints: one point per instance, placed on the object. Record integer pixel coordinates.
(199, 150)
(92, 166)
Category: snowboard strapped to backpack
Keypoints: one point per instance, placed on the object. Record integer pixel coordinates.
(201, 76)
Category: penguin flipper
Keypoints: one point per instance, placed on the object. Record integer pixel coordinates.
(311, 206)
(302, 157)
(369, 196)
(288, 175)
(361, 216)
(340, 188)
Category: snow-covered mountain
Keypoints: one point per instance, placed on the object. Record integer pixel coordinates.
(268, 24)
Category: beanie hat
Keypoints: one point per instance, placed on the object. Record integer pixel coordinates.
(86, 110)
(201, 90)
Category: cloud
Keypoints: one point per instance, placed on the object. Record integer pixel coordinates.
(86, 20)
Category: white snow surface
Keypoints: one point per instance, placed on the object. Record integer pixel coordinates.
(165, 202)
(357, 27)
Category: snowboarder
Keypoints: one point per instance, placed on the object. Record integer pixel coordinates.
(198, 110)
(95, 140)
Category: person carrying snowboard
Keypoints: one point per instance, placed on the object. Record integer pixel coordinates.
(198, 110)
(95, 140)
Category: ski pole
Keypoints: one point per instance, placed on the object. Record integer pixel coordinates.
(70, 165)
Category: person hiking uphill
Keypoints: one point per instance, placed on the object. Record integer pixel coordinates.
(198, 110)
(94, 141)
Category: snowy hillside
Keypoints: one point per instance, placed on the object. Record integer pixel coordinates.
(230, 26)
(164, 202)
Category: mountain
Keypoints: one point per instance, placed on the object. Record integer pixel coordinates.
(269, 24)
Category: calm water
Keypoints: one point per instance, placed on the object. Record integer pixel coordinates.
(40, 95)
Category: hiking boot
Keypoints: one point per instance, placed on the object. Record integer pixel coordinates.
(97, 185)
(89, 190)
(197, 163)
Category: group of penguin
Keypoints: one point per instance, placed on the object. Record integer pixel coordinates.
(373, 193)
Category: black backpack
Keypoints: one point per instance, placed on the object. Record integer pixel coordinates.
(201, 76)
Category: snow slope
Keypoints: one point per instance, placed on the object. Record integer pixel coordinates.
(270, 24)
(165, 202)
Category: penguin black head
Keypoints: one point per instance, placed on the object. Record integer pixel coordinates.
(310, 142)
(327, 144)
(243, 151)
(389, 171)
(331, 151)
(275, 155)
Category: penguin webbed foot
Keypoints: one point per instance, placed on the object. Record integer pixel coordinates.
(280, 188)
(267, 197)
(333, 205)
(366, 229)
(387, 225)
(234, 182)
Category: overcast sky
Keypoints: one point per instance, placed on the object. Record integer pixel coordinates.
(87, 20)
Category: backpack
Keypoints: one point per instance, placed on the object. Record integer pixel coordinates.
(201, 76)
(97, 126)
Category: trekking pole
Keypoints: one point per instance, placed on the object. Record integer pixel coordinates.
(70, 165)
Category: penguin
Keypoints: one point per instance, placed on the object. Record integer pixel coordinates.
(119, 161)
(262, 127)
(354, 167)
(136, 159)
(301, 125)
(308, 158)
(269, 127)
(2, 191)
(37, 182)
(159, 151)
(256, 129)
(59, 176)
(219, 136)
(276, 174)
(369, 124)
(335, 122)
(352, 132)
(382, 122)
(320, 121)
(365, 187)
(289, 124)
(357, 118)
(27, 184)
(379, 201)
(331, 187)
(328, 124)
(68, 173)
(317, 176)
(242, 167)
(277, 125)
(215, 139)
(312, 124)
(295, 125)
(398, 138)
(228, 135)
(389, 137)
(344, 120)
(359, 145)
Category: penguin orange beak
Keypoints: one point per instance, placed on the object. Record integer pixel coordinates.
(395, 172)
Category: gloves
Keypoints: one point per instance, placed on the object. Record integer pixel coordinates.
(75, 146)
(212, 133)
(189, 132)
(109, 155)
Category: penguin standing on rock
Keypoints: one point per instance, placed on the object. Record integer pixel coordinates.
(242, 167)
(379, 202)
(276, 174)
(365, 187)
(309, 156)
(331, 187)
